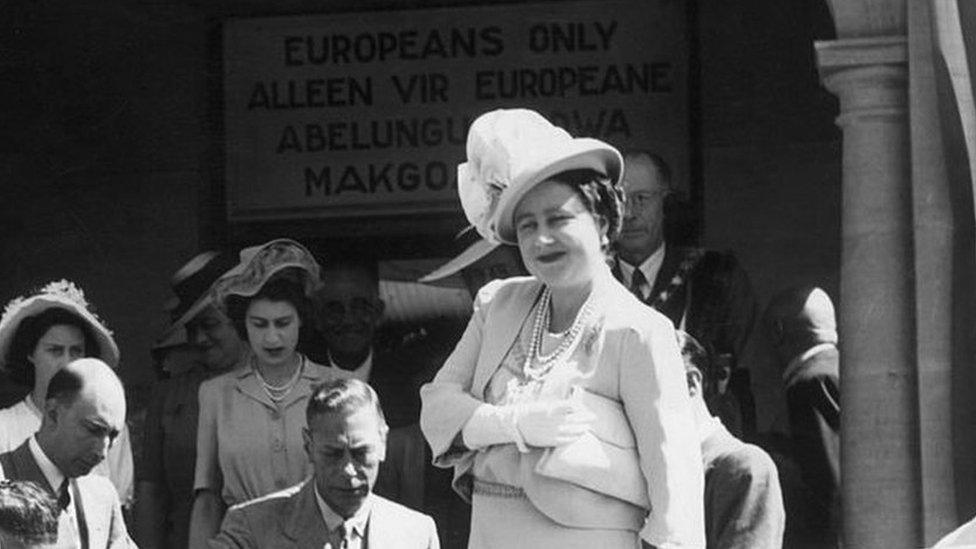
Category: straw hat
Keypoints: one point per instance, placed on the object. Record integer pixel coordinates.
(509, 152)
(259, 263)
(191, 284)
(61, 294)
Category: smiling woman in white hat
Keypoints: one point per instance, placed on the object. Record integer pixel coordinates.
(249, 440)
(40, 334)
(563, 409)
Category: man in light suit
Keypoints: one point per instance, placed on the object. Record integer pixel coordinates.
(743, 499)
(346, 441)
(84, 412)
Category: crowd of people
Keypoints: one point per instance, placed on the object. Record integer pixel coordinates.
(600, 399)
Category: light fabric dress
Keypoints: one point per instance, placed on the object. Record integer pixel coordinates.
(23, 419)
(627, 355)
(247, 445)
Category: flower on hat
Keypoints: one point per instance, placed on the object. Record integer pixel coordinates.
(62, 294)
(258, 265)
(511, 150)
(61, 290)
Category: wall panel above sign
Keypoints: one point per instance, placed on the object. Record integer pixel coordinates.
(357, 114)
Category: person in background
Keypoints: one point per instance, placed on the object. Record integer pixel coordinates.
(39, 335)
(84, 412)
(28, 516)
(349, 310)
(249, 437)
(164, 477)
(704, 292)
(743, 500)
(563, 409)
(803, 330)
(346, 442)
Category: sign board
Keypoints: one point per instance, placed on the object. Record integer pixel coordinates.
(359, 114)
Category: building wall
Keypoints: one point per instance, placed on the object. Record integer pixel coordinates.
(111, 157)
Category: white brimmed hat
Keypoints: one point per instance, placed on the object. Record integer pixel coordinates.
(64, 295)
(258, 264)
(509, 152)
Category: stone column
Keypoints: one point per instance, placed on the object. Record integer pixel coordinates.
(879, 402)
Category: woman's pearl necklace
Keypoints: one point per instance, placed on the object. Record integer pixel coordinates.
(538, 364)
(277, 393)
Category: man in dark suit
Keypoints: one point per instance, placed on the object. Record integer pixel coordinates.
(349, 310)
(802, 328)
(743, 499)
(705, 293)
(84, 412)
(346, 441)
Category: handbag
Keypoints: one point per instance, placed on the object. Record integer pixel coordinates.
(604, 459)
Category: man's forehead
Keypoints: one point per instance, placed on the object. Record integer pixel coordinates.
(343, 282)
(347, 427)
(104, 407)
(640, 174)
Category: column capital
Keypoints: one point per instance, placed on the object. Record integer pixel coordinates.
(868, 75)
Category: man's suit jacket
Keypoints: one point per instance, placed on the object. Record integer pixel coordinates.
(721, 313)
(723, 309)
(291, 518)
(743, 499)
(99, 499)
(628, 354)
(813, 401)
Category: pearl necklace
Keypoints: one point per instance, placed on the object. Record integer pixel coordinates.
(537, 364)
(277, 393)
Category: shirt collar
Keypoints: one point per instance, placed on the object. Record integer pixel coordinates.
(32, 407)
(650, 267)
(793, 368)
(356, 523)
(361, 372)
(51, 472)
(708, 427)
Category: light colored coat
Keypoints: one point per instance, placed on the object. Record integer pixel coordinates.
(291, 518)
(629, 355)
(99, 500)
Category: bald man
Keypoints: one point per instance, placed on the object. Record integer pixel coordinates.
(84, 412)
(803, 330)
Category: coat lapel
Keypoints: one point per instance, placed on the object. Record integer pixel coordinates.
(303, 521)
(504, 322)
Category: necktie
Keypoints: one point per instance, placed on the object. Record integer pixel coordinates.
(637, 283)
(340, 538)
(64, 495)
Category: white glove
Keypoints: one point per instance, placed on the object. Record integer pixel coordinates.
(553, 423)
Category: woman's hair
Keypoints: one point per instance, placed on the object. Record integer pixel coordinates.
(285, 285)
(600, 196)
(32, 329)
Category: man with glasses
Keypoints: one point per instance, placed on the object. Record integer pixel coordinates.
(349, 310)
(705, 293)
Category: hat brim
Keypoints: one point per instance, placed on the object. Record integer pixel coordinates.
(175, 333)
(468, 257)
(580, 153)
(108, 350)
(255, 269)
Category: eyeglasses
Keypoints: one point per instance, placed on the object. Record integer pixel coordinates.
(643, 200)
(358, 307)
